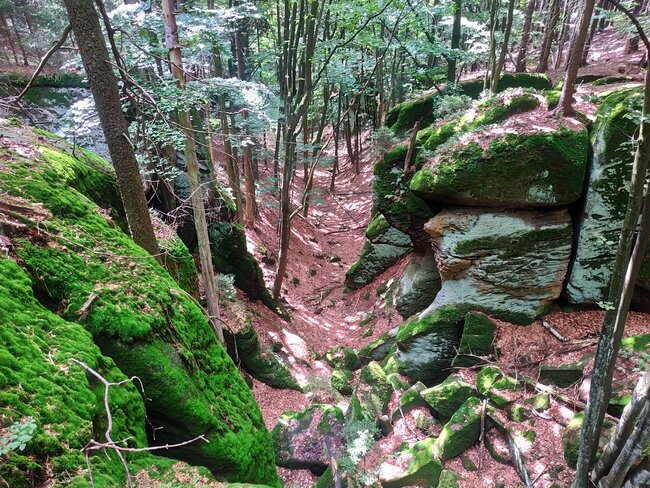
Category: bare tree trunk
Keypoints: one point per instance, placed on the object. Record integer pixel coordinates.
(19, 40)
(563, 34)
(7, 35)
(618, 457)
(520, 64)
(592, 33)
(549, 35)
(496, 75)
(193, 175)
(565, 105)
(455, 41)
(103, 85)
(489, 69)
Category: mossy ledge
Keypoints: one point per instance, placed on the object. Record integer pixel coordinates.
(139, 316)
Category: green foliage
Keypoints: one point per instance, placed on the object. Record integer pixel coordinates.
(17, 436)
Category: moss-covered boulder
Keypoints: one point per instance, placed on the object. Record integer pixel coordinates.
(341, 381)
(488, 168)
(448, 396)
(378, 349)
(491, 111)
(477, 340)
(402, 117)
(509, 264)
(343, 357)
(262, 364)
(230, 256)
(39, 381)
(413, 466)
(449, 479)
(461, 432)
(425, 346)
(601, 217)
(379, 389)
(299, 438)
(391, 196)
(418, 285)
(87, 269)
(384, 246)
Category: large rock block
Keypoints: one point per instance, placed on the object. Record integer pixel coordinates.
(425, 346)
(601, 218)
(503, 167)
(418, 285)
(509, 264)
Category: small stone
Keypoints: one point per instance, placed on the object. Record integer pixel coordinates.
(335, 259)
(448, 396)
(343, 357)
(540, 402)
(461, 432)
(411, 467)
(342, 381)
(563, 376)
(380, 388)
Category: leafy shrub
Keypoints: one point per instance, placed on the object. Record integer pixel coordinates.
(17, 437)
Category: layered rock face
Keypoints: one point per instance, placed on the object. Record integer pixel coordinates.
(510, 264)
(601, 217)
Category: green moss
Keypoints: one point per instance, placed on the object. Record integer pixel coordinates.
(477, 340)
(531, 170)
(461, 432)
(140, 317)
(413, 467)
(410, 112)
(640, 343)
(60, 80)
(180, 264)
(380, 388)
(448, 396)
(540, 402)
(448, 479)
(266, 366)
(377, 226)
(552, 98)
(447, 316)
(36, 347)
(342, 357)
(341, 381)
(571, 439)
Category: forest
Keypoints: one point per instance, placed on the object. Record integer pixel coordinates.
(325, 243)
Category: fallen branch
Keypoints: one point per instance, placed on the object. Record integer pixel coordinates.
(553, 332)
(41, 65)
(110, 443)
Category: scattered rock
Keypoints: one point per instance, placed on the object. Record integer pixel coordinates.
(378, 349)
(448, 396)
(342, 357)
(425, 347)
(562, 376)
(299, 438)
(380, 389)
(342, 381)
(490, 380)
(412, 467)
(461, 432)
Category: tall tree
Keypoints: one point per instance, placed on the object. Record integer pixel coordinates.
(500, 62)
(103, 85)
(575, 57)
(452, 59)
(193, 175)
(549, 35)
(520, 64)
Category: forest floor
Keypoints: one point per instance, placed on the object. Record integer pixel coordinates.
(327, 242)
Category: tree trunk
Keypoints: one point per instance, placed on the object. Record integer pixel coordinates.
(566, 98)
(504, 48)
(624, 276)
(19, 40)
(193, 175)
(7, 35)
(489, 70)
(103, 85)
(608, 470)
(592, 33)
(455, 42)
(563, 33)
(520, 64)
(549, 35)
